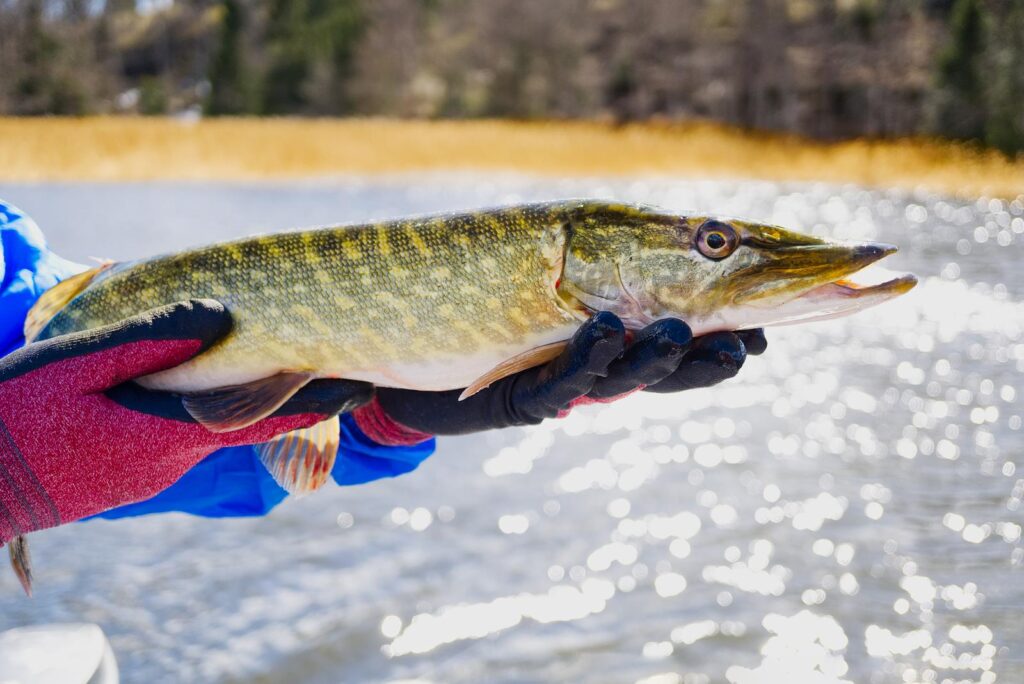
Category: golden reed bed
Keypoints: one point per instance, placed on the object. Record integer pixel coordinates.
(120, 149)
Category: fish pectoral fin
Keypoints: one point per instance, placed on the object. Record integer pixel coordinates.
(232, 408)
(56, 298)
(520, 362)
(21, 561)
(301, 460)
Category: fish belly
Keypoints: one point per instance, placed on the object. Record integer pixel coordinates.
(221, 367)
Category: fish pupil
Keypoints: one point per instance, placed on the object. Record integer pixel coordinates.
(716, 241)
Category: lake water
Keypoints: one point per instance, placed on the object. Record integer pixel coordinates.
(847, 509)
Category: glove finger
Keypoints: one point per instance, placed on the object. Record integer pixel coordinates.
(323, 398)
(654, 355)
(753, 340)
(328, 397)
(595, 345)
(710, 360)
(155, 340)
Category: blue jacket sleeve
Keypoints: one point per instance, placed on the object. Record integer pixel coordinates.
(232, 482)
(227, 483)
(27, 269)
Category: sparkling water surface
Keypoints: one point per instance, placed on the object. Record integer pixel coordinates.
(848, 509)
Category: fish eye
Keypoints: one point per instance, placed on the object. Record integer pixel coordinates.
(716, 240)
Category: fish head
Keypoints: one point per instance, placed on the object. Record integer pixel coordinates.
(715, 273)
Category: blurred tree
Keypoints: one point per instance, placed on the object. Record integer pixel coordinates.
(152, 96)
(1004, 127)
(288, 57)
(960, 95)
(621, 90)
(834, 68)
(230, 85)
(40, 87)
(310, 44)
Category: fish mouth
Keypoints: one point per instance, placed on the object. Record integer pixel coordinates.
(824, 281)
(864, 280)
(850, 288)
(793, 268)
(846, 295)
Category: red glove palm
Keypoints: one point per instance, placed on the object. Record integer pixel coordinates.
(75, 440)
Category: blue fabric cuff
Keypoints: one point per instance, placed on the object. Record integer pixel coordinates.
(363, 460)
(27, 269)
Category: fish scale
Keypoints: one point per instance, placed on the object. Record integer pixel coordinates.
(350, 301)
(456, 300)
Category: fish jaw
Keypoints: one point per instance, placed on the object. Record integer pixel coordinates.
(836, 299)
(842, 298)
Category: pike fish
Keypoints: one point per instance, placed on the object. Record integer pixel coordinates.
(458, 300)
(454, 301)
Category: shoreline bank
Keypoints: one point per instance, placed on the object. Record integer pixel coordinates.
(128, 148)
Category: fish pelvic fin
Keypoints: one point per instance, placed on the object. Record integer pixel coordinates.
(528, 359)
(21, 562)
(301, 460)
(226, 409)
(56, 298)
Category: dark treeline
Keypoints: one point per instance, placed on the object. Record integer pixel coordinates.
(824, 68)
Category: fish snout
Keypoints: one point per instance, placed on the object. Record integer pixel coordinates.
(870, 252)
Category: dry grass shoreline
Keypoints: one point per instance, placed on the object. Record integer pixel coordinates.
(124, 149)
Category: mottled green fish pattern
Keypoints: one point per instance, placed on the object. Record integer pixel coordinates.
(435, 302)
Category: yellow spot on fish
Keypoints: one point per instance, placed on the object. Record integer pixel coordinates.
(417, 242)
(499, 227)
(500, 330)
(521, 320)
(382, 242)
(310, 252)
(351, 250)
(271, 245)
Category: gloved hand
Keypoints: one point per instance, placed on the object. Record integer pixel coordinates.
(76, 440)
(597, 366)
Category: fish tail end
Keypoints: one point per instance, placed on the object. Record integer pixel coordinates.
(21, 562)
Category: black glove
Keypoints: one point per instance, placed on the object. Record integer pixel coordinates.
(597, 364)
